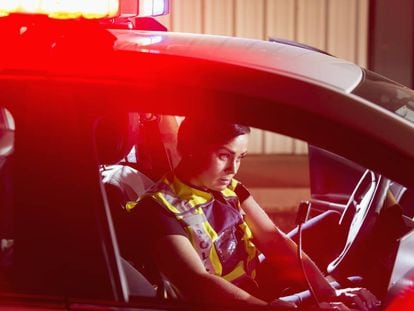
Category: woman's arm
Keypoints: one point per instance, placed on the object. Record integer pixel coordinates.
(280, 251)
(282, 255)
(181, 264)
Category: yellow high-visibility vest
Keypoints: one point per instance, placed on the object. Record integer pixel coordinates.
(186, 204)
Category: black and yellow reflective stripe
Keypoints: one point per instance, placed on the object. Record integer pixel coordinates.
(229, 191)
(237, 273)
(250, 249)
(214, 258)
(195, 197)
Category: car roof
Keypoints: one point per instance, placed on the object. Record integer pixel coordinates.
(274, 57)
(58, 40)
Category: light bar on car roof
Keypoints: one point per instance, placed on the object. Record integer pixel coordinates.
(144, 8)
(62, 9)
(153, 7)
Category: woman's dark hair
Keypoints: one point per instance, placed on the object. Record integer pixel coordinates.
(195, 133)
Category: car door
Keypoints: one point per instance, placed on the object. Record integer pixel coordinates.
(55, 234)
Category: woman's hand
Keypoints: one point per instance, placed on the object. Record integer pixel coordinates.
(359, 298)
(331, 306)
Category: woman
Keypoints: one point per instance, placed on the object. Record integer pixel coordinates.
(206, 232)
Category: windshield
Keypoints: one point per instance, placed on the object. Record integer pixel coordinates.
(388, 94)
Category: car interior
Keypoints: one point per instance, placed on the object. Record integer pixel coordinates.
(134, 150)
(359, 198)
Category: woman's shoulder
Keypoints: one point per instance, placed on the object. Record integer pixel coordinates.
(150, 213)
(239, 190)
(242, 192)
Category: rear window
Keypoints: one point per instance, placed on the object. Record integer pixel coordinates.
(390, 95)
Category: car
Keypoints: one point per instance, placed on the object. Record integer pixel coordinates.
(83, 100)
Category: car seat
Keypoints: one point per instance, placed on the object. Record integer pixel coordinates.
(138, 136)
(114, 139)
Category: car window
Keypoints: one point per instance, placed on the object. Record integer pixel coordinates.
(152, 152)
(388, 94)
(279, 180)
(146, 147)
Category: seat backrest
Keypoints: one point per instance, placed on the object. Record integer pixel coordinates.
(114, 139)
(130, 182)
(138, 285)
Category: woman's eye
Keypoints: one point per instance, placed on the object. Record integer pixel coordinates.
(223, 156)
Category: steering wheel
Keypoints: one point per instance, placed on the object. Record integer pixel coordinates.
(361, 211)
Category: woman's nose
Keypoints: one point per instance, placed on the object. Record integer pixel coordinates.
(232, 167)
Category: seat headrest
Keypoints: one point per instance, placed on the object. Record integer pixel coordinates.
(113, 138)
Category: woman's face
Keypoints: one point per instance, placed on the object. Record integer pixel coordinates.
(220, 163)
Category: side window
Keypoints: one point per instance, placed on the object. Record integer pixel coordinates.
(277, 175)
(136, 150)
(7, 129)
